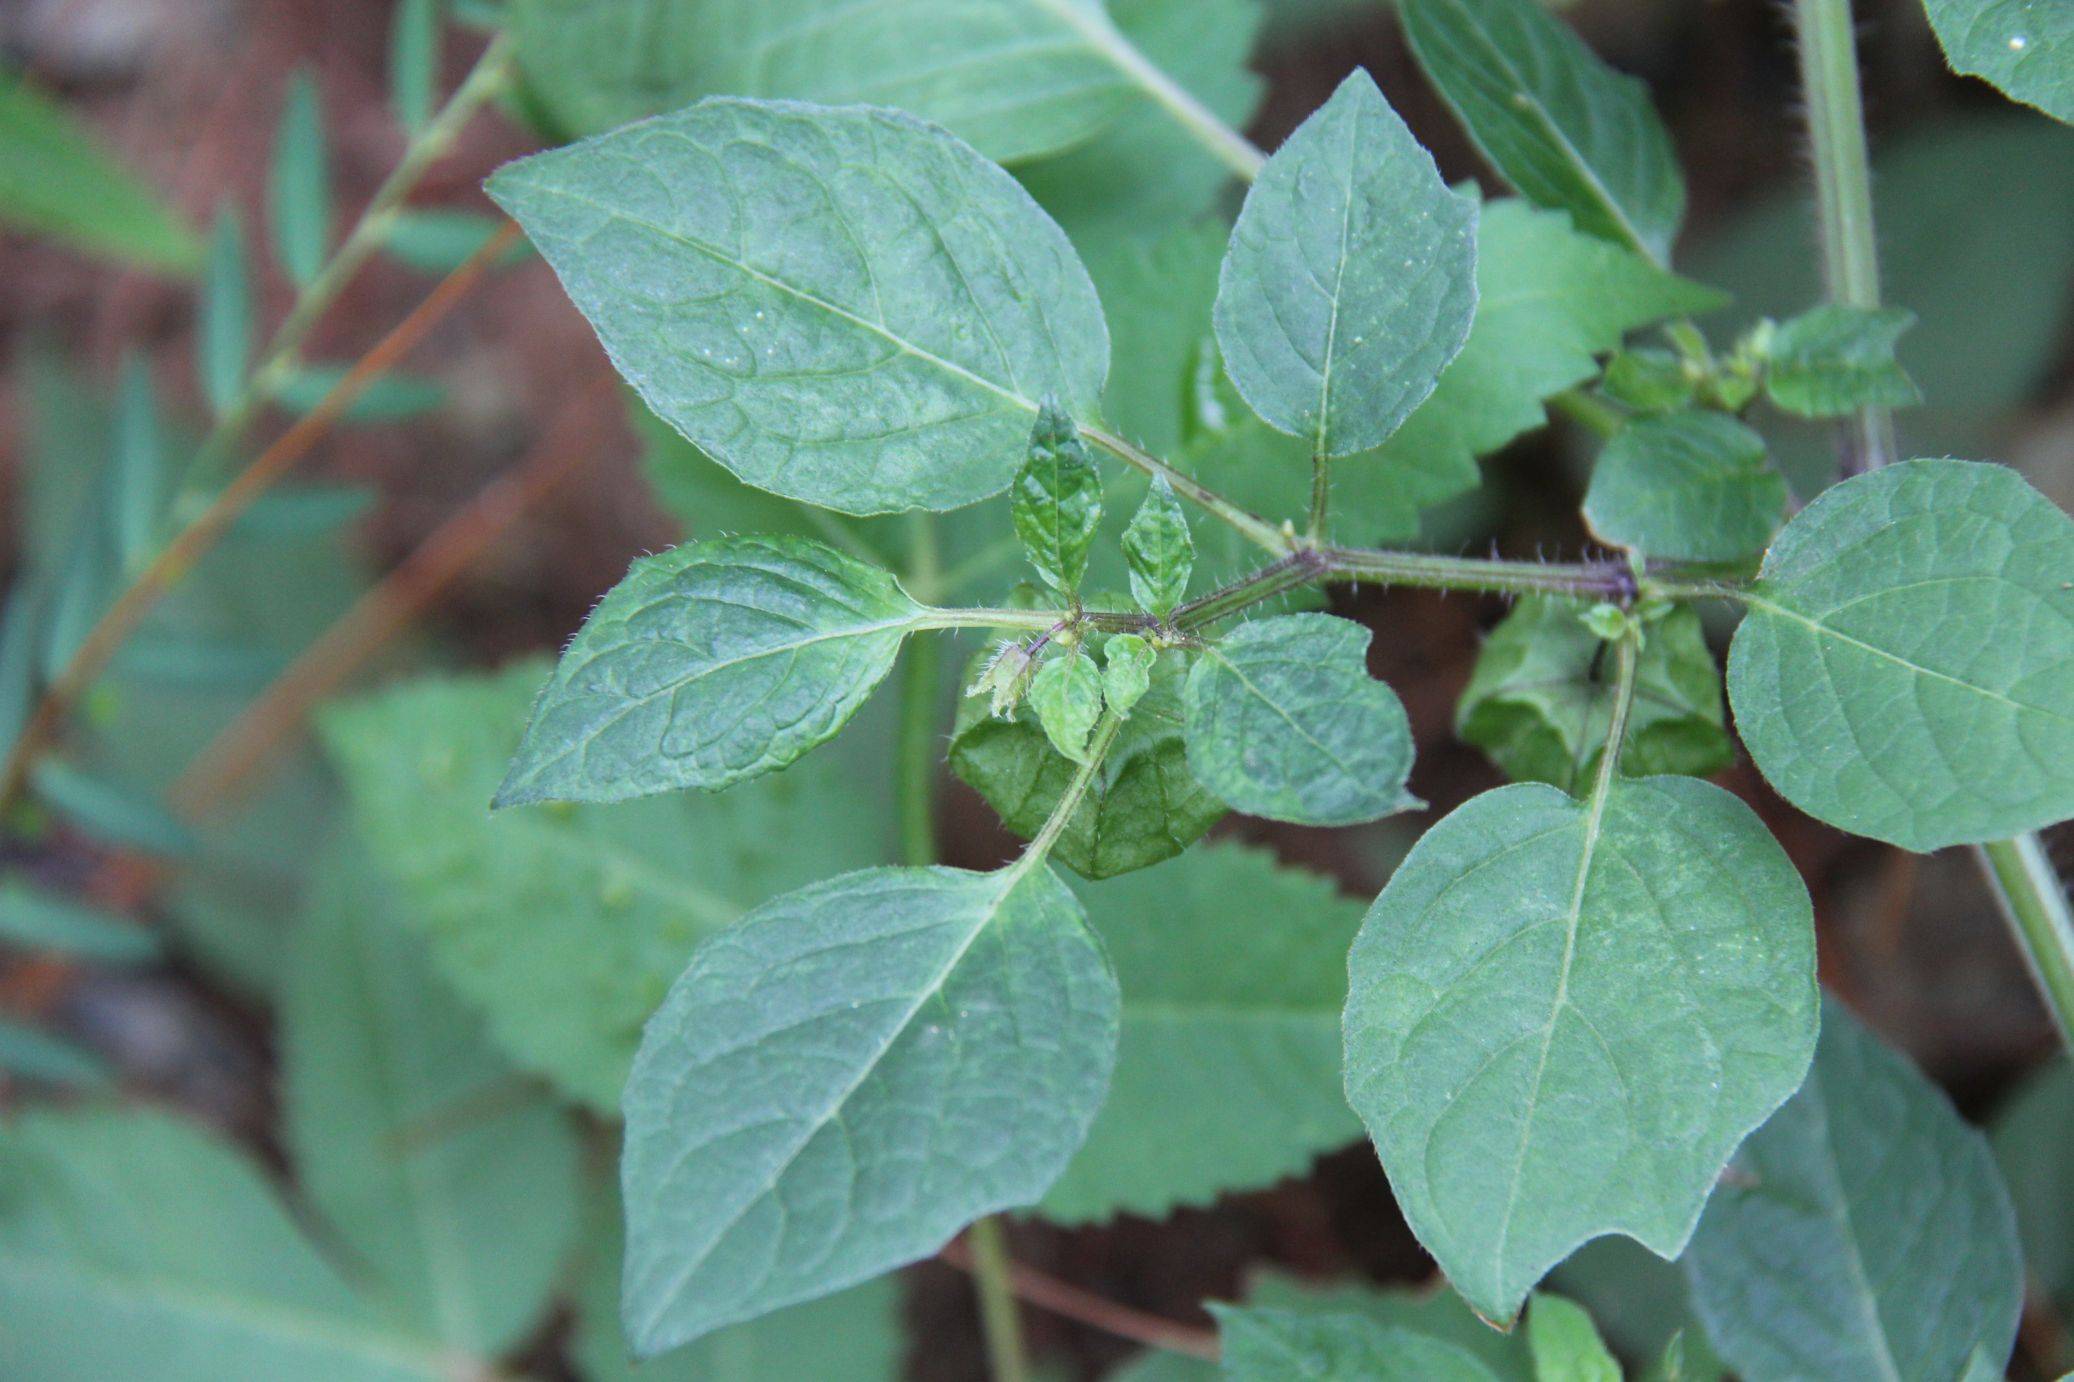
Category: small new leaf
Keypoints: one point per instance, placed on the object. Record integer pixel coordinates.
(1285, 722)
(1649, 380)
(708, 665)
(1692, 486)
(1837, 359)
(1566, 1344)
(1066, 695)
(1127, 664)
(1056, 501)
(1159, 550)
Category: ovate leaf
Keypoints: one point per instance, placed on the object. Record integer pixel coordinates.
(1284, 721)
(845, 306)
(1566, 1344)
(1558, 124)
(1815, 1258)
(1066, 697)
(1541, 698)
(1834, 359)
(1689, 487)
(848, 1077)
(1143, 805)
(1906, 670)
(1264, 1345)
(1057, 501)
(2024, 47)
(1159, 550)
(446, 1176)
(1565, 1014)
(710, 664)
(1351, 277)
(1432, 1310)
(1127, 663)
(1234, 972)
(2030, 1141)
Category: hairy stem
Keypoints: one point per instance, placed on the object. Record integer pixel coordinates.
(1605, 580)
(1252, 526)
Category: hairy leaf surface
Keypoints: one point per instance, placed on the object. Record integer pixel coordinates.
(845, 306)
(848, 1077)
(1283, 721)
(1234, 972)
(1556, 123)
(1057, 501)
(1827, 362)
(1862, 1232)
(708, 665)
(1351, 277)
(1688, 487)
(1906, 670)
(2024, 47)
(1565, 1014)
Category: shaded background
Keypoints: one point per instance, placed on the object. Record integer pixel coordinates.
(1976, 213)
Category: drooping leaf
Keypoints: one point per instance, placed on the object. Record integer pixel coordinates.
(1541, 698)
(1233, 972)
(300, 189)
(563, 925)
(132, 1245)
(1834, 359)
(1143, 805)
(1159, 550)
(1558, 124)
(1692, 486)
(223, 350)
(1906, 670)
(1066, 698)
(449, 1179)
(1283, 721)
(1262, 1345)
(1015, 78)
(414, 62)
(1814, 1258)
(708, 665)
(1351, 278)
(1057, 501)
(39, 919)
(1565, 1014)
(849, 1076)
(2024, 47)
(55, 180)
(2030, 1143)
(1566, 1344)
(844, 306)
(1434, 1311)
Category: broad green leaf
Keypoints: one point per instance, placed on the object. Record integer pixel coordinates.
(1127, 663)
(1143, 805)
(1566, 1344)
(223, 352)
(1016, 78)
(110, 810)
(55, 180)
(1558, 124)
(300, 189)
(565, 925)
(132, 1245)
(1057, 501)
(414, 62)
(1566, 1013)
(1688, 487)
(2030, 1142)
(1650, 380)
(39, 919)
(843, 306)
(1262, 1345)
(446, 1177)
(30, 1053)
(1066, 697)
(710, 664)
(1233, 972)
(1158, 296)
(1351, 278)
(1834, 359)
(1540, 701)
(1549, 298)
(853, 1336)
(1159, 1365)
(2024, 47)
(1906, 670)
(1159, 550)
(1643, 1307)
(1283, 721)
(849, 1076)
(1862, 1232)
(1434, 1311)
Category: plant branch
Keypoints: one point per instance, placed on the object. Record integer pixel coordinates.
(2034, 903)
(1085, 1307)
(1252, 526)
(178, 557)
(1603, 580)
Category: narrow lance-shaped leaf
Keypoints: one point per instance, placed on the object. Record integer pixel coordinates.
(1564, 1015)
(301, 185)
(848, 1077)
(1267, 1345)
(1835, 359)
(114, 811)
(1285, 722)
(141, 478)
(40, 919)
(2023, 47)
(1159, 550)
(224, 351)
(1056, 501)
(1351, 277)
(30, 1053)
(413, 62)
(1692, 486)
(710, 664)
(1557, 123)
(1906, 670)
(1814, 1258)
(845, 306)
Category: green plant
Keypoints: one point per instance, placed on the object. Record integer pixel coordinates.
(882, 370)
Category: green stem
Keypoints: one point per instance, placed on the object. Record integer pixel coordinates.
(1252, 526)
(1106, 730)
(1605, 580)
(1626, 650)
(998, 1313)
(2034, 902)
